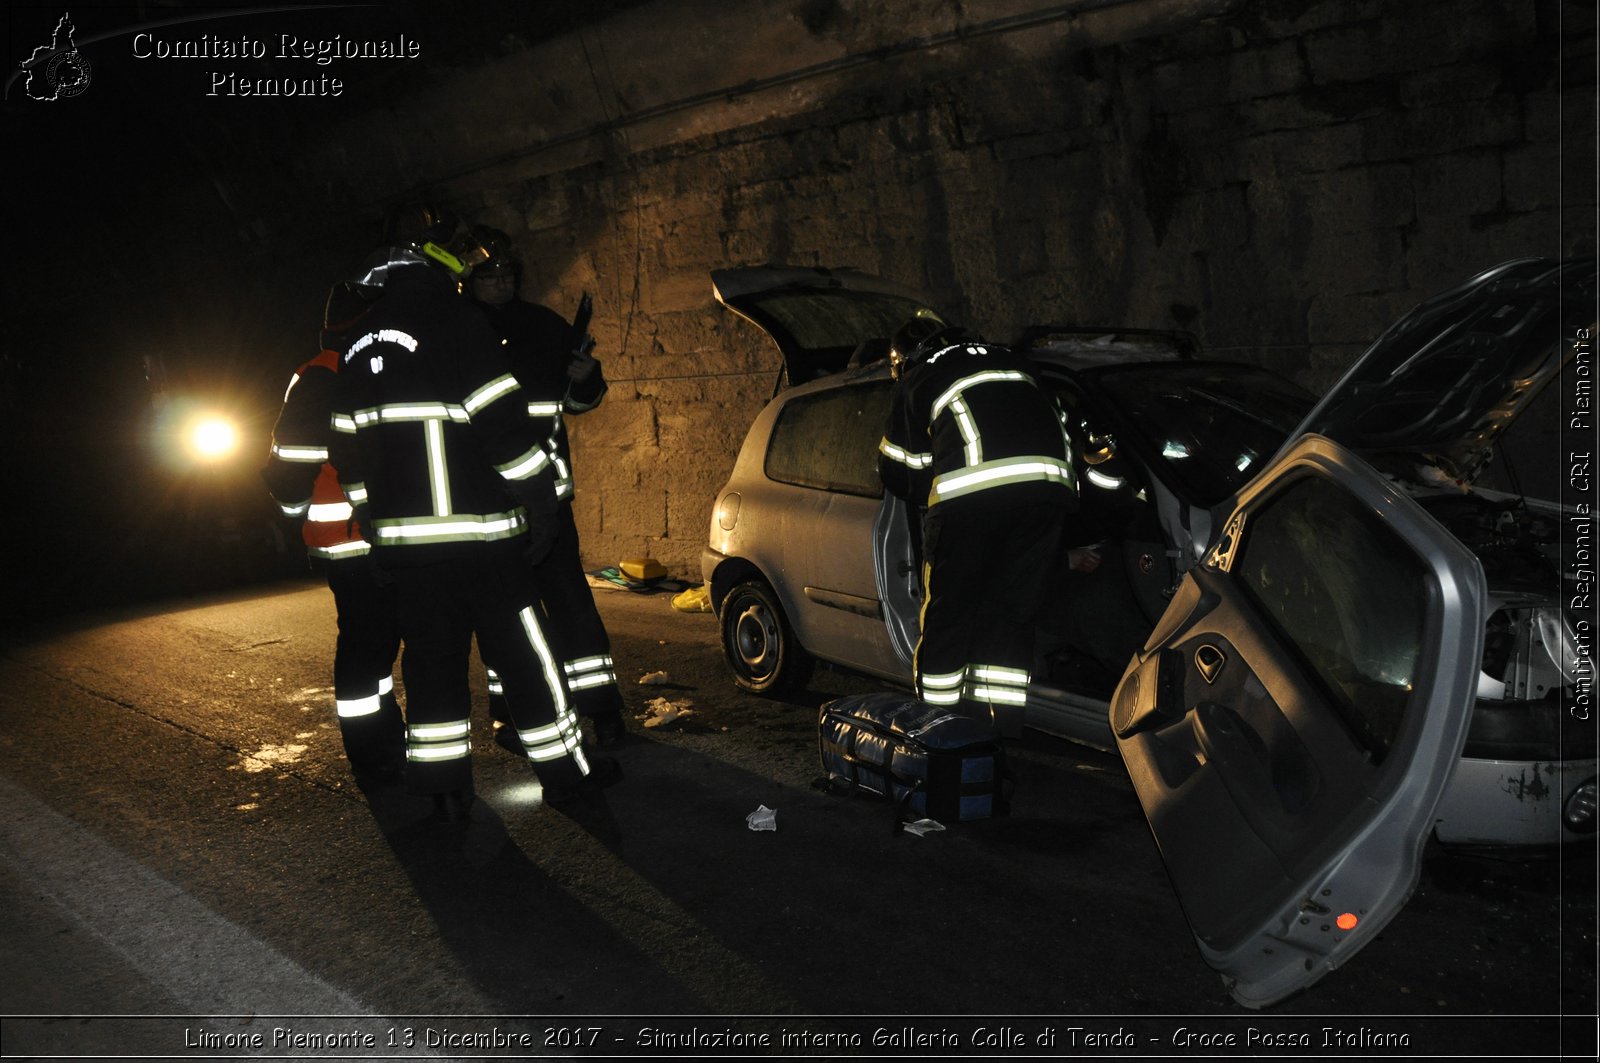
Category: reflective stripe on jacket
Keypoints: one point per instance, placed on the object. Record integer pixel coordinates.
(298, 473)
(539, 344)
(431, 428)
(969, 418)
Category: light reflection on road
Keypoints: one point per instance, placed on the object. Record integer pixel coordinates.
(268, 757)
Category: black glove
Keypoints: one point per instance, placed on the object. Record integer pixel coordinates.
(360, 523)
(538, 497)
(542, 534)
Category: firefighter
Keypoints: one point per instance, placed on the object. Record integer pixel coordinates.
(554, 363)
(306, 487)
(974, 438)
(455, 490)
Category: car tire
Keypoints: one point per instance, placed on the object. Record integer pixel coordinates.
(758, 643)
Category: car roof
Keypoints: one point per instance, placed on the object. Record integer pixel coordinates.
(1086, 346)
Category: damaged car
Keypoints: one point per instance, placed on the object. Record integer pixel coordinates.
(1302, 622)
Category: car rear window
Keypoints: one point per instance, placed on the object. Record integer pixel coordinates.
(829, 440)
(1347, 594)
(820, 330)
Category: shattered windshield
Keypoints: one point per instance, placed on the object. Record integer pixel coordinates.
(1210, 426)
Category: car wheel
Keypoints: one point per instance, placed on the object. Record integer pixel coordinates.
(757, 641)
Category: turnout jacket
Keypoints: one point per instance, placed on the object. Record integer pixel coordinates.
(298, 473)
(970, 418)
(431, 432)
(540, 343)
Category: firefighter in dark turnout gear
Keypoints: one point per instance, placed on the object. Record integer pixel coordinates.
(436, 452)
(306, 486)
(973, 437)
(552, 360)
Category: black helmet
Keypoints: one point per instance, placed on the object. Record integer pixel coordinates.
(920, 336)
(347, 304)
(497, 244)
(435, 233)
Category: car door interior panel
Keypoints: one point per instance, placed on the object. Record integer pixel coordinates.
(1291, 722)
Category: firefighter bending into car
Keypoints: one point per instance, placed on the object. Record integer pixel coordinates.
(974, 438)
(306, 486)
(554, 363)
(455, 490)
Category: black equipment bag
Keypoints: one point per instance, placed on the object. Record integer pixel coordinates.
(930, 761)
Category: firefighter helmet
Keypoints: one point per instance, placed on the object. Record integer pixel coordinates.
(494, 283)
(347, 303)
(920, 336)
(436, 233)
(497, 245)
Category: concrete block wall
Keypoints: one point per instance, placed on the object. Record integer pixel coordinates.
(1282, 177)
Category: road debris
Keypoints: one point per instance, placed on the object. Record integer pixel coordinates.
(663, 711)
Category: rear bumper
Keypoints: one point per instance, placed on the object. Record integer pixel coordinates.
(710, 561)
(1511, 802)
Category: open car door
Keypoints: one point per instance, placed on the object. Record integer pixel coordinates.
(895, 569)
(1296, 714)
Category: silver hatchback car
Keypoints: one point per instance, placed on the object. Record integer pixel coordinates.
(1296, 607)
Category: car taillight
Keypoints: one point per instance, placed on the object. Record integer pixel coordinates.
(1555, 633)
(1579, 813)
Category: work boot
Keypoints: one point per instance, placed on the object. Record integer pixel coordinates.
(603, 772)
(377, 764)
(378, 774)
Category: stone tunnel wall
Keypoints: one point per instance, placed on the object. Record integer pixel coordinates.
(1281, 177)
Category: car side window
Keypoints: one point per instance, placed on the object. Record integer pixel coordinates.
(829, 440)
(1347, 594)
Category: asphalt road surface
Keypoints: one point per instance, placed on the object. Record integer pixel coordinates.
(189, 871)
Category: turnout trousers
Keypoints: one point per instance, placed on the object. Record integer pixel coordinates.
(986, 568)
(575, 628)
(370, 722)
(488, 592)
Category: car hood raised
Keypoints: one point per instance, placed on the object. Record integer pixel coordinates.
(819, 318)
(1440, 385)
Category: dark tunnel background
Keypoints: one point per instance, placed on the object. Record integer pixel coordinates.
(1282, 178)
(168, 250)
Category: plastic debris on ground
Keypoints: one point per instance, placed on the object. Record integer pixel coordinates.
(653, 679)
(610, 579)
(663, 711)
(693, 600)
(642, 575)
(923, 827)
(763, 818)
(642, 569)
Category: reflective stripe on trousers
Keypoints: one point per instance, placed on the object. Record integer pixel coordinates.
(354, 708)
(588, 672)
(434, 743)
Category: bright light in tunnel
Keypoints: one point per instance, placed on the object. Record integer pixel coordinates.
(211, 438)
